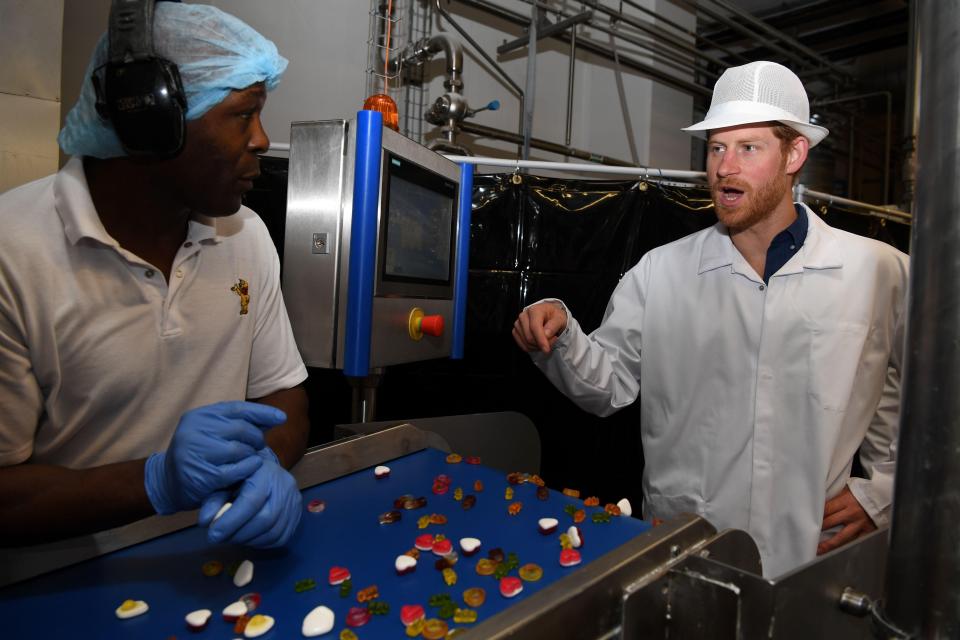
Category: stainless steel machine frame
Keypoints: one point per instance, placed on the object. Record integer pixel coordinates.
(317, 250)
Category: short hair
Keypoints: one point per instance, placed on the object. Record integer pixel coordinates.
(785, 134)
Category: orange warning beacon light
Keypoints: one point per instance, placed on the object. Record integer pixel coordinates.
(385, 105)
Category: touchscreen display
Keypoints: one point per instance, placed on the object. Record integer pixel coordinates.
(420, 214)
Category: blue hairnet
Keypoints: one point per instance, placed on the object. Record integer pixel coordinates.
(215, 53)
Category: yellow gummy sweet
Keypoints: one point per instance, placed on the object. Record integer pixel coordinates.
(464, 616)
(508, 493)
(450, 577)
(415, 629)
(346, 634)
(128, 605)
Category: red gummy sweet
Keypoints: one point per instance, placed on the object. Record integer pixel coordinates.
(424, 542)
(443, 547)
(252, 600)
(510, 586)
(472, 459)
(338, 575)
(410, 613)
(569, 557)
(357, 617)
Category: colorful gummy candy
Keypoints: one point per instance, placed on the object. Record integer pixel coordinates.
(316, 506)
(408, 502)
(530, 572)
(612, 509)
(472, 460)
(565, 542)
(410, 613)
(510, 586)
(474, 597)
(478, 485)
(508, 493)
(468, 502)
(464, 616)
(446, 562)
(212, 568)
(569, 557)
(438, 518)
(592, 501)
(496, 554)
(454, 458)
(579, 515)
(501, 571)
(600, 517)
(512, 560)
(368, 593)
(515, 478)
(439, 599)
(423, 522)
(434, 629)
(258, 625)
(337, 575)
(543, 493)
(241, 623)
(573, 493)
(449, 577)
(442, 547)
(486, 566)
(537, 480)
(415, 629)
(446, 610)
(346, 634)
(345, 588)
(514, 508)
(304, 585)
(357, 617)
(570, 509)
(458, 494)
(389, 517)
(378, 608)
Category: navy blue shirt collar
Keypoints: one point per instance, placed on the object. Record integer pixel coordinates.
(785, 244)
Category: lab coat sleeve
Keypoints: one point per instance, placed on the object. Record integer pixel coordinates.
(878, 452)
(600, 372)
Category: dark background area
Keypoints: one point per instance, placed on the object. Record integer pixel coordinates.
(534, 238)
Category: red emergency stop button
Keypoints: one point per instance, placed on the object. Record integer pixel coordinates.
(432, 325)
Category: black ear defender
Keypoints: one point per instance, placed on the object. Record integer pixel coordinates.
(139, 92)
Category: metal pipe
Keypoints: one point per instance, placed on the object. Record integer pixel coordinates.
(568, 133)
(547, 31)
(911, 121)
(424, 49)
(636, 172)
(923, 564)
(648, 70)
(486, 56)
(888, 213)
(531, 87)
(552, 147)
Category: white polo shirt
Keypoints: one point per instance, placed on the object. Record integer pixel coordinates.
(99, 355)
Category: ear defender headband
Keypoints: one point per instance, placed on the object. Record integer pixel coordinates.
(139, 93)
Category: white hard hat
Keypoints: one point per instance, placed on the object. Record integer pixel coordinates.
(760, 92)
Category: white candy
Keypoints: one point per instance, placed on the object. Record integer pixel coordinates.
(258, 625)
(404, 563)
(548, 523)
(469, 545)
(244, 574)
(574, 534)
(381, 471)
(235, 609)
(131, 609)
(625, 508)
(198, 619)
(223, 510)
(318, 622)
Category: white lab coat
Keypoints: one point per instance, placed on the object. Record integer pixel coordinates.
(754, 398)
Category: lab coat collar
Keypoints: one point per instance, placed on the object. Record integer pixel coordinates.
(79, 215)
(820, 250)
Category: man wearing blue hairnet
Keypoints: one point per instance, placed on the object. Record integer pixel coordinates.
(140, 309)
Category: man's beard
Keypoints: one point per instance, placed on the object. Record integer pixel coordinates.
(762, 202)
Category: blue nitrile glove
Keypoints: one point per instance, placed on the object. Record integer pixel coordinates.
(265, 511)
(213, 447)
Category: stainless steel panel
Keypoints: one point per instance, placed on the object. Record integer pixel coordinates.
(587, 603)
(319, 170)
(390, 342)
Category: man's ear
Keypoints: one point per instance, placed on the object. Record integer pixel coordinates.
(797, 154)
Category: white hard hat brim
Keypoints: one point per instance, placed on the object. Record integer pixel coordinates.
(740, 112)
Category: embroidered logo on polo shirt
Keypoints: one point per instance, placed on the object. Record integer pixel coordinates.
(242, 289)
